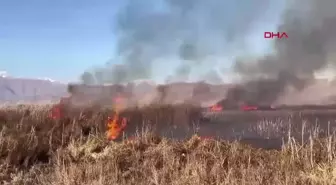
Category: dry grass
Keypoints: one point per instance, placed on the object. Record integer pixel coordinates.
(35, 150)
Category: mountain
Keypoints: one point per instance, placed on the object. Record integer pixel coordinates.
(14, 90)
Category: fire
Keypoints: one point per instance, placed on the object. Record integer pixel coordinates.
(216, 108)
(248, 108)
(116, 124)
(114, 128)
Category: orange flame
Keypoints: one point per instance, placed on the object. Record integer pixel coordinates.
(247, 107)
(216, 108)
(114, 127)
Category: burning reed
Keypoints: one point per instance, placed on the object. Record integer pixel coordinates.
(37, 150)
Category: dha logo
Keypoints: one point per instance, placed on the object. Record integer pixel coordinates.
(271, 35)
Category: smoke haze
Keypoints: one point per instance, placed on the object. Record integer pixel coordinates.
(192, 31)
(188, 31)
(311, 27)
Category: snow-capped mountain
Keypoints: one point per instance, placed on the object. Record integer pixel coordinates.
(14, 90)
(3, 73)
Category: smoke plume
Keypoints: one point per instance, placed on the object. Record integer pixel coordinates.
(311, 27)
(192, 31)
(189, 31)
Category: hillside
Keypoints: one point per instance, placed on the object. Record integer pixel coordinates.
(13, 90)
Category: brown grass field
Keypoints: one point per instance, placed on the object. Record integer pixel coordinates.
(280, 147)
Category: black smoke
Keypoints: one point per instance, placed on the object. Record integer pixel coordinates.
(311, 27)
(188, 31)
(192, 31)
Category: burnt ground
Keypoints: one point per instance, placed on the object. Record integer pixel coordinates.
(264, 129)
(269, 129)
(37, 150)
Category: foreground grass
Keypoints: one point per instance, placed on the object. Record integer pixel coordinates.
(34, 150)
